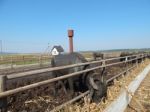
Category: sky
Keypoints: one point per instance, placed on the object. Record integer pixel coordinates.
(28, 26)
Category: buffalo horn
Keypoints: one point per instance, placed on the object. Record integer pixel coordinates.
(93, 83)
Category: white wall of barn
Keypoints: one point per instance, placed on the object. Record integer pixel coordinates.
(55, 52)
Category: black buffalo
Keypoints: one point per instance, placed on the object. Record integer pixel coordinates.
(92, 80)
(132, 56)
(98, 55)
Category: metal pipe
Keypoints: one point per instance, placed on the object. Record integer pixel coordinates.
(21, 89)
(70, 35)
(34, 72)
(124, 98)
(70, 101)
(116, 76)
(3, 101)
(87, 92)
(70, 44)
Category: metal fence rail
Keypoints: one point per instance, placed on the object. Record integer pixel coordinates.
(87, 92)
(20, 89)
(5, 78)
(34, 72)
(70, 101)
(124, 98)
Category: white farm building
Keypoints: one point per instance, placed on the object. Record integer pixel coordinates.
(56, 50)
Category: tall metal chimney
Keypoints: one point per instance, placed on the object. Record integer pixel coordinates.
(70, 35)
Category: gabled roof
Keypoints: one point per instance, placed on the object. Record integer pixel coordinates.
(59, 48)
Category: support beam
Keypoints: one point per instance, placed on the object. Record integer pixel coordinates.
(3, 101)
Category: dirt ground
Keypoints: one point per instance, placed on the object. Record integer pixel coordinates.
(141, 100)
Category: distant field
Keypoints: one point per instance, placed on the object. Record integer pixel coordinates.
(11, 61)
(21, 59)
(28, 59)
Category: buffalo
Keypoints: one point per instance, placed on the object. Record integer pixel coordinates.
(93, 81)
(132, 55)
(98, 55)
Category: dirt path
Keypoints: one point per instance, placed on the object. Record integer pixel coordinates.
(141, 99)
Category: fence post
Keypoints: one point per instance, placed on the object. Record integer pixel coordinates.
(3, 101)
(136, 61)
(23, 60)
(40, 60)
(126, 65)
(103, 71)
(1, 58)
(103, 64)
(11, 62)
(142, 58)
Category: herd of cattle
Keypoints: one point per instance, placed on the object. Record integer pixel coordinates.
(95, 81)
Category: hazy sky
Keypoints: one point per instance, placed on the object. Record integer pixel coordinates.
(29, 25)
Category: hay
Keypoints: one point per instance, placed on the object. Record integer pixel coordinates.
(113, 91)
(42, 102)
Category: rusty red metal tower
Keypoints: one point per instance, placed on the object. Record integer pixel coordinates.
(70, 35)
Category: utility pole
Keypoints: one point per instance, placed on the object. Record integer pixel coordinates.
(1, 47)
